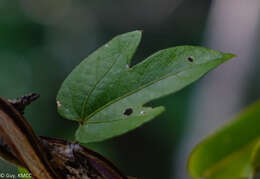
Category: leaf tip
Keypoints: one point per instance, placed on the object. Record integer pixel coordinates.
(139, 34)
(229, 56)
(139, 30)
(136, 34)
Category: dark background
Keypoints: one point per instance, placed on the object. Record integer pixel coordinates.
(42, 41)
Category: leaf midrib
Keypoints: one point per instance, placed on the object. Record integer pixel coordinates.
(140, 88)
(83, 111)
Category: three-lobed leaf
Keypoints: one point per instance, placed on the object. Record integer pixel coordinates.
(229, 152)
(108, 97)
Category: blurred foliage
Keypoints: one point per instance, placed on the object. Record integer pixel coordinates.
(229, 149)
(41, 42)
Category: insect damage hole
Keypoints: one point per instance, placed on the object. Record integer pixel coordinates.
(191, 59)
(128, 111)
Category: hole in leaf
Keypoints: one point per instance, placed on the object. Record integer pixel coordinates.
(128, 111)
(191, 59)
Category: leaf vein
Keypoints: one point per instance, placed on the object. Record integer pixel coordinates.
(138, 89)
(83, 112)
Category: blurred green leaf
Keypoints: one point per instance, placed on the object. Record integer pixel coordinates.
(227, 153)
(255, 160)
(107, 97)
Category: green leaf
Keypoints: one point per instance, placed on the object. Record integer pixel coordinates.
(255, 159)
(227, 153)
(107, 97)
